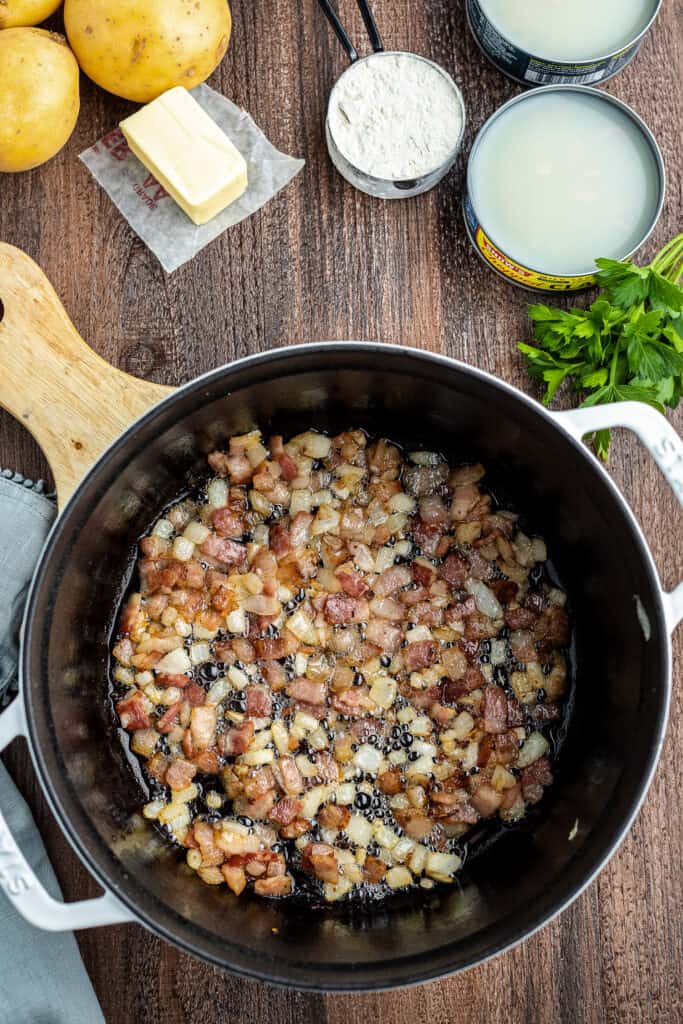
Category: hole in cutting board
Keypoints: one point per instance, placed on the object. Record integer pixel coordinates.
(2, 311)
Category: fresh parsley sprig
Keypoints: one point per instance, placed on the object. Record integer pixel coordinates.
(628, 345)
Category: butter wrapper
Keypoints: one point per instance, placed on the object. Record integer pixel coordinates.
(155, 216)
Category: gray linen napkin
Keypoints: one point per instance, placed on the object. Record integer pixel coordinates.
(42, 977)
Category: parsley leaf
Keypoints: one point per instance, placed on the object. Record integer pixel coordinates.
(627, 346)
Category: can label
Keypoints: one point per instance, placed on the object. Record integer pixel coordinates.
(527, 68)
(517, 272)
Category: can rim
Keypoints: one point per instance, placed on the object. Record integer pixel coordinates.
(448, 162)
(572, 63)
(607, 98)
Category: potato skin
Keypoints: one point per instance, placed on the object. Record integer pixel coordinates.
(139, 50)
(17, 13)
(39, 87)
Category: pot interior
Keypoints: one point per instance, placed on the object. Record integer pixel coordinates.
(512, 885)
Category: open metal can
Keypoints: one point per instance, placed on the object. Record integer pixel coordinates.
(533, 69)
(503, 260)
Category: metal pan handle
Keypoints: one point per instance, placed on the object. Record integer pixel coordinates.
(661, 440)
(20, 883)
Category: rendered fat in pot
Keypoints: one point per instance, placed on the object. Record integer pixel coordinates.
(554, 42)
(557, 178)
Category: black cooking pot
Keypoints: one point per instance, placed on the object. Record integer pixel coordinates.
(511, 886)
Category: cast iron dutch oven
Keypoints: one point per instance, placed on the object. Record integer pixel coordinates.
(76, 405)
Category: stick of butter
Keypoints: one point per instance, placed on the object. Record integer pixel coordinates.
(187, 153)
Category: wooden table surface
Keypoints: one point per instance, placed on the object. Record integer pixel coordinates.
(324, 262)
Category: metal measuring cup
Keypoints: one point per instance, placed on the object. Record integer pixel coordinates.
(383, 188)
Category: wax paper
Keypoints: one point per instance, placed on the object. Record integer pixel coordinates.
(155, 217)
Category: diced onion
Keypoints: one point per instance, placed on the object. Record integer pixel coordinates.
(196, 532)
(535, 746)
(486, 601)
(174, 663)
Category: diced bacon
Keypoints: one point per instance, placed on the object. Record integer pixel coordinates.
(423, 572)
(290, 776)
(319, 860)
(279, 540)
(465, 497)
(463, 814)
(433, 512)
(165, 679)
(195, 694)
(520, 618)
(392, 579)
(203, 727)
(455, 570)
(390, 781)
(486, 800)
(428, 538)
(236, 740)
(537, 774)
(415, 823)
(522, 646)
(207, 762)
(133, 714)
(535, 601)
(259, 701)
(300, 529)
(480, 567)
(180, 774)
(227, 523)
(552, 628)
(290, 470)
(327, 768)
(374, 870)
(219, 463)
(238, 467)
(276, 446)
(333, 816)
(306, 690)
(260, 781)
(278, 885)
(353, 583)
(340, 609)
(157, 766)
(420, 655)
(352, 523)
(414, 595)
(235, 877)
(460, 611)
(495, 709)
(123, 651)
(286, 810)
(480, 627)
(130, 613)
(423, 480)
(274, 674)
(387, 608)
(227, 552)
(168, 719)
(505, 591)
(515, 714)
(385, 634)
(279, 647)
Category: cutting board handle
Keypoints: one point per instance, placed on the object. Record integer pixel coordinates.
(72, 401)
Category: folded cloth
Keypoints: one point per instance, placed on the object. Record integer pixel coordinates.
(42, 977)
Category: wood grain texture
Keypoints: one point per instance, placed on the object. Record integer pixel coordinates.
(73, 402)
(320, 262)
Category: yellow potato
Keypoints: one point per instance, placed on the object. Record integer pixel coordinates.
(15, 13)
(139, 50)
(39, 96)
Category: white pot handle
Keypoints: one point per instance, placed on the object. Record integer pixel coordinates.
(19, 881)
(663, 443)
